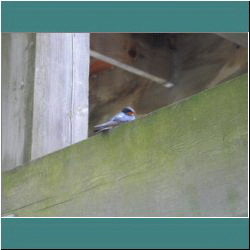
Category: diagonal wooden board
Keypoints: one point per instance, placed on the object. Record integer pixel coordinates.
(186, 159)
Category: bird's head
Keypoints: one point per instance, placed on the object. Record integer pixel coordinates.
(128, 111)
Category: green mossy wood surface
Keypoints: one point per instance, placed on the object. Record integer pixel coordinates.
(187, 159)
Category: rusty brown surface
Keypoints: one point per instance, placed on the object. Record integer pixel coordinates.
(97, 66)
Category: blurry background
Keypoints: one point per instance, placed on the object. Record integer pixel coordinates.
(185, 63)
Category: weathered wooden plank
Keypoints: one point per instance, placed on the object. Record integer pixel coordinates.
(52, 93)
(61, 91)
(80, 92)
(188, 159)
(18, 59)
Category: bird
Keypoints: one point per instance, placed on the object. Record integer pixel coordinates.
(127, 114)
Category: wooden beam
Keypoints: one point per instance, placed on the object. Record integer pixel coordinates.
(130, 69)
(162, 169)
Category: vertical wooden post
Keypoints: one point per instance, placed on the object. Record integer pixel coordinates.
(80, 100)
(18, 60)
(61, 91)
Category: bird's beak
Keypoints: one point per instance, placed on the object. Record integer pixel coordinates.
(131, 113)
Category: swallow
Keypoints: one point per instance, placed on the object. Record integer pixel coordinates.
(126, 115)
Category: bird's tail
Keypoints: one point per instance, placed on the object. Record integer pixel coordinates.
(104, 126)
